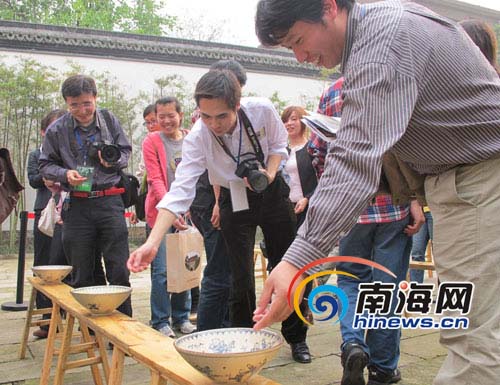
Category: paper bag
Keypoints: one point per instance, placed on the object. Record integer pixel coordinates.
(48, 218)
(184, 250)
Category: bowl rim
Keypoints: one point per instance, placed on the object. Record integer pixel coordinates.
(51, 267)
(81, 290)
(225, 355)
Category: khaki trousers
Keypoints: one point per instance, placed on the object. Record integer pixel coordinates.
(465, 205)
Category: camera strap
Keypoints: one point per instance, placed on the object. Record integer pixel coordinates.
(80, 149)
(254, 141)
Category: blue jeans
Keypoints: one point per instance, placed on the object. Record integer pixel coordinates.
(386, 244)
(213, 306)
(163, 303)
(420, 241)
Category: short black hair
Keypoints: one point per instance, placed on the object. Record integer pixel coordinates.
(274, 18)
(77, 85)
(148, 110)
(218, 84)
(233, 66)
(50, 117)
(168, 100)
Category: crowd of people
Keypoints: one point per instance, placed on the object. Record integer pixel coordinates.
(420, 133)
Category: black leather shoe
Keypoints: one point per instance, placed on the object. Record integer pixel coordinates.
(377, 377)
(41, 333)
(300, 352)
(354, 359)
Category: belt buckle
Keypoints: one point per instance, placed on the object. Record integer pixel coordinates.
(93, 194)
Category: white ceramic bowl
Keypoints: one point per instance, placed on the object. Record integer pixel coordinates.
(51, 273)
(101, 299)
(229, 356)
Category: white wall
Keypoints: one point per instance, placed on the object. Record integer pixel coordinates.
(140, 75)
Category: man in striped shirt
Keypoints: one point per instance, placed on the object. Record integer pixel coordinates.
(383, 234)
(416, 84)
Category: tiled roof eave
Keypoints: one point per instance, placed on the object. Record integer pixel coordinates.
(73, 41)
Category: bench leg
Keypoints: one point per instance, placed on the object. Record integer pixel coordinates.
(63, 353)
(29, 315)
(91, 354)
(116, 372)
(49, 348)
(156, 379)
(104, 356)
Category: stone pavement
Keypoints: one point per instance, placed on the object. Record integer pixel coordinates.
(421, 354)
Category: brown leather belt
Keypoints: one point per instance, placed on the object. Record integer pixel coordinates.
(98, 193)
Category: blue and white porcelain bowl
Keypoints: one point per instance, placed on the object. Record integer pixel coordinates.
(229, 356)
(51, 274)
(101, 299)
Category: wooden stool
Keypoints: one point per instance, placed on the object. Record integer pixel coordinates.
(32, 323)
(428, 264)
(429, 258)
(60, 294)
(257, 252)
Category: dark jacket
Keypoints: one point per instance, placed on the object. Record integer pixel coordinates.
(307, 174)
(36, 181)
(399, 180)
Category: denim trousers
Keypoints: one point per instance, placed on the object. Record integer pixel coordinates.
(386, 244)
(41, 257)
(213, 306)
(164, 304)
(420, 241)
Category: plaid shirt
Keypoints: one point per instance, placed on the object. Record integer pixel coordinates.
(381, 210)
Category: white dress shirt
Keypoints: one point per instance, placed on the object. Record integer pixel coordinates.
(201, 151)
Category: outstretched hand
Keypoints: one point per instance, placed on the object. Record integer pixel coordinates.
(273, 303)
(141, 258)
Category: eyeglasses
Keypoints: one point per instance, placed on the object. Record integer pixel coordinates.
(150, 123)
(77, 106)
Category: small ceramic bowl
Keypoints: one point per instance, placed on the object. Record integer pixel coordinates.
(51, 274)
(229, 356)
(101, 299)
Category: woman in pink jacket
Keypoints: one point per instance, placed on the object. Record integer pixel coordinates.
(162, 152)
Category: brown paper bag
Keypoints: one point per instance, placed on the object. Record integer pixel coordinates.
(184, 250)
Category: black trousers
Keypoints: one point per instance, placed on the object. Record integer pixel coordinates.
(273, 212)
(41, 243)
(95, 226)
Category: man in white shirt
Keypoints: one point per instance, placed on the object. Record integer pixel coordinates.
(230, 136)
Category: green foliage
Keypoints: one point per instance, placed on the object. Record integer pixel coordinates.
(173, 85)
(279, 103)
(134, 16)
(27, 91)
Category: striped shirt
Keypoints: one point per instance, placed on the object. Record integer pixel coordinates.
(414, 82)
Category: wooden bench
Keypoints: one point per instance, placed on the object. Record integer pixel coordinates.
(31, 322)
(128, 336)
(61, 298)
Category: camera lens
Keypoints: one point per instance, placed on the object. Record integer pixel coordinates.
(257, 180)
(110, 153)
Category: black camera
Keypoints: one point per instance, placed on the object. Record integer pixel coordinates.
(256, 179)
(109, 152)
